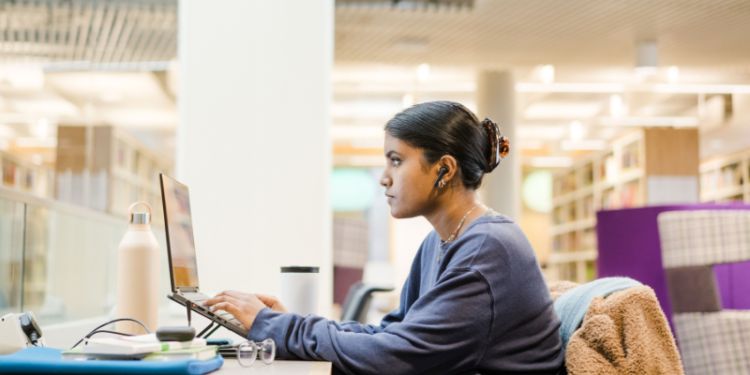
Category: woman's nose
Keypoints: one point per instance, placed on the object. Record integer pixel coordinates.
(385, 181)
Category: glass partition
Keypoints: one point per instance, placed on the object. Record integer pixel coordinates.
(11, 255)
(60, 261)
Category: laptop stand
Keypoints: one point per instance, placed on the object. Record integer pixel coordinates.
(210, 328)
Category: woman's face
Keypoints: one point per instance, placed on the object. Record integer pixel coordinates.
(407, 179)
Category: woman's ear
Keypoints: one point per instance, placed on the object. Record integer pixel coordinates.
(451, 165)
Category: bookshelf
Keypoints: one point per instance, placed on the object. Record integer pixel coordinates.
(645, 166)
(105, 168)
(25, 176)
(725, 178)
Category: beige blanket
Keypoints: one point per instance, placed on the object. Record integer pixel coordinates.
(624, 333)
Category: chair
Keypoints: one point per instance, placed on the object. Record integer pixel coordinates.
(357, 301)
(711, 340)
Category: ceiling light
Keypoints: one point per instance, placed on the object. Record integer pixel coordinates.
(616, 106)
(577, 131)
(583, 145)
(546, 73)
(571, 87)
(41, 128)
(701, 89)
(407, 101)
(423, 72)
(551, 132)
(552, 110)
(650, 121)
(550, 161)
(673, 74)
(23, 76)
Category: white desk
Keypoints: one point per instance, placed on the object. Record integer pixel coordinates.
(278, 367)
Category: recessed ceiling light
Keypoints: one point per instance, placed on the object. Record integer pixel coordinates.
(407, 101)
(616, 106)
(577, 131)
(673, 74)
(546, 73)
(423, 72)
(550, 161)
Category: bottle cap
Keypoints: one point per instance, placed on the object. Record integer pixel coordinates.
(140, 217)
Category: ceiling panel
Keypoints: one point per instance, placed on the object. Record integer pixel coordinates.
(88, 31)
(497, 33)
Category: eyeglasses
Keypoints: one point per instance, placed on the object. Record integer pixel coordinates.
(249, 351)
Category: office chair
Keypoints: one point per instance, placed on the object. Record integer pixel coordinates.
(357, 301)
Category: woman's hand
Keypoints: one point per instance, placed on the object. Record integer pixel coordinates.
(244, 306)
(272, 302)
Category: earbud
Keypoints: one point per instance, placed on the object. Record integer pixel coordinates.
(441, 172)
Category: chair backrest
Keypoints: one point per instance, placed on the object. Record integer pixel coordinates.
(704, 237)
(692, 242)
(357, 301)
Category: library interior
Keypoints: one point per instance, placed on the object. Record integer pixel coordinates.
(629, 129)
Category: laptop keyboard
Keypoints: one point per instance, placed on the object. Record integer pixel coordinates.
(200, 300)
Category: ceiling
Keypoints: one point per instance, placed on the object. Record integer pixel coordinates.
(67, 34)
(576, 33)
(113, 62)
(698, 52)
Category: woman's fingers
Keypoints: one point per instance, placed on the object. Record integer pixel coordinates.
(243, 306)
(232, 309)
(271, 302)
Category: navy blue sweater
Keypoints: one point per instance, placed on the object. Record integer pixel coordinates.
(478, 304)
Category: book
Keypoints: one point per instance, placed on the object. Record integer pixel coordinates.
(201, 354)
(136, 345)
(196, 353)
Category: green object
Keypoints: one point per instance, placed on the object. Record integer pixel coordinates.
(352, 189)
(536, 191)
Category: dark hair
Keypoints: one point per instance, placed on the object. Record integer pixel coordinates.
(448, 128)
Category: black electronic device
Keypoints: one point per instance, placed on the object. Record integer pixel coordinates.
(175, 333)
(441, 172)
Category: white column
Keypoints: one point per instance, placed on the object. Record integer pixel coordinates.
(496, 100)
(253, 141)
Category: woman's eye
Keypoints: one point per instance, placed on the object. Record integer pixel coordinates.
(395, 162)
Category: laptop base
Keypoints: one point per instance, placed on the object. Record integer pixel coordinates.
(214, 318)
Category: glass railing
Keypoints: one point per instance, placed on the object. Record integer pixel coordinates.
(59, 260)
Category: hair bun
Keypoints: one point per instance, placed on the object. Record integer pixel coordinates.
(499, 144)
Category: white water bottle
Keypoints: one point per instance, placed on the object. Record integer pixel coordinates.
(138, 274)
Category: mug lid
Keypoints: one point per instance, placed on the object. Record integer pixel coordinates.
(299, 269)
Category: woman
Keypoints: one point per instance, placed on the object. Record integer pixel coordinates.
(474, 301)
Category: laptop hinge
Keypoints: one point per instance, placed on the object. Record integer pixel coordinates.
(187, 290)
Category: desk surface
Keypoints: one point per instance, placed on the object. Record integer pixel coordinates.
(231, 366)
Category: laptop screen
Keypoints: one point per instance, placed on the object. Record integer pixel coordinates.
(180, 241)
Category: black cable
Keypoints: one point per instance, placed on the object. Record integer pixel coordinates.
(97, 329)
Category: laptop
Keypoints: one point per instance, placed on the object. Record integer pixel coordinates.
(183, 267)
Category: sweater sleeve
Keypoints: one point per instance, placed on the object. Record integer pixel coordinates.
(445, 330)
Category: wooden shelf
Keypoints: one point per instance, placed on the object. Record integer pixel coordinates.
(616, 178)
(22, 175)
(105, 168)
(726, 178)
